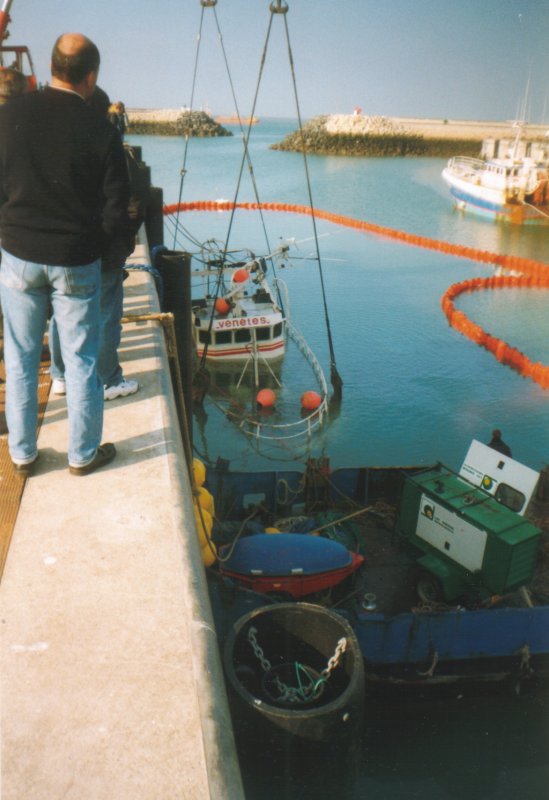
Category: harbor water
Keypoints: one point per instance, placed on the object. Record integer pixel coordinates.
(415, 392)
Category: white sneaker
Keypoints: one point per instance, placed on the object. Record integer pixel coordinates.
(122, 389)
(58, 386)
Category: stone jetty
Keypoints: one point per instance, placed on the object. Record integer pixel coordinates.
(174, 122)
(362, 135)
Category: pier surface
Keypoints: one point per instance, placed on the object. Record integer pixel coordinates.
(112, 687)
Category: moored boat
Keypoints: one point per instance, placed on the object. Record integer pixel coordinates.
(514, 186)
(454, 584)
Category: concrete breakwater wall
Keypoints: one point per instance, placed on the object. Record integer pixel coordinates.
(350, 134)
(361, 135)
(174, 122)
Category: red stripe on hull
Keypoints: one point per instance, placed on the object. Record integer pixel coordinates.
(241, 351)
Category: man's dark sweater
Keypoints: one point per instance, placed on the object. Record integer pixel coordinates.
(64, 189)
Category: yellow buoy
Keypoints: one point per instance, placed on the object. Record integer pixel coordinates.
(205, 500)
(208, 556)
(204, 523)
(272, 530)
(199, 472)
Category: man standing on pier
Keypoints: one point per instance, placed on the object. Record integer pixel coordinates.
(63, 197)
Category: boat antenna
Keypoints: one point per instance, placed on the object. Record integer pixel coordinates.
(281, 7)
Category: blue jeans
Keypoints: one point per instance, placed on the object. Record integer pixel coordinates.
(108, 365)
(27, 289)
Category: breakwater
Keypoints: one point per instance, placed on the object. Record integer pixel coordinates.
(361, 135)
(174, 122)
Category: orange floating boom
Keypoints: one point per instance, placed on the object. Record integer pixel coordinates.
(533, 274)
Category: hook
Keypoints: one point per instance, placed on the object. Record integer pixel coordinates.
(276, 7)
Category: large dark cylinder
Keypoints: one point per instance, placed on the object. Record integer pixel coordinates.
(296, 642)
(154, 219)
(175, 270)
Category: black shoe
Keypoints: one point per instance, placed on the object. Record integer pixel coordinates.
(105, 454)
(25, 470)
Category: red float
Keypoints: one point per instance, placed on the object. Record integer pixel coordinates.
(310, 401)
(241, 275)
(265, 398)
(222, 306)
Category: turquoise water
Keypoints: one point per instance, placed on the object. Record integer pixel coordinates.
(415, 391)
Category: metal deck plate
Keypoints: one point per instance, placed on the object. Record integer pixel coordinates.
(12, 485)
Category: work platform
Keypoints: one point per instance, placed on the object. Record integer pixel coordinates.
(112, 687)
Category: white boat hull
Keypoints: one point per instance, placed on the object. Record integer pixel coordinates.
(228, 354)
(513, 188)
(258, 335)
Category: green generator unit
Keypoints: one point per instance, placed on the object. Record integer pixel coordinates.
(463, 537)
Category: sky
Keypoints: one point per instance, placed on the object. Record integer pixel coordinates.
(449, 59)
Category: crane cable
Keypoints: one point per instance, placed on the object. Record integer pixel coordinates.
(183, 172)
(276, 7)
(245, 159)
(336, 380)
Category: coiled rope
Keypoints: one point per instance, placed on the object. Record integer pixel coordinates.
(533, 274)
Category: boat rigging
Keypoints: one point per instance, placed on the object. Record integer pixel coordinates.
(239, 318)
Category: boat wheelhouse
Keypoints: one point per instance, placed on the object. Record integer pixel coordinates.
(241, 323)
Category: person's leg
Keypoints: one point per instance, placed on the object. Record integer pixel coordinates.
(24, 288)
(75, 300)
(112, 299)
(57, 367)
(112, 304)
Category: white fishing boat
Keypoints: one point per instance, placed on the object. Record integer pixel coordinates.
(242, 334)
(241, 320)
(513, 186)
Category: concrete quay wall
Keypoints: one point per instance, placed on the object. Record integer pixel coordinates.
(112, 685)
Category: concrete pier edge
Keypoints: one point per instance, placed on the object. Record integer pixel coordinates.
(223, 771)
(111, 679)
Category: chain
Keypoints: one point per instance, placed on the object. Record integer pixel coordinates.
(334, 661)
(265, 663)
(304, 693)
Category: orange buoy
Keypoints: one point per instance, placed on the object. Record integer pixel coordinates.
(222, 306)
(310, 401)
(265, 398)
(241, 275)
